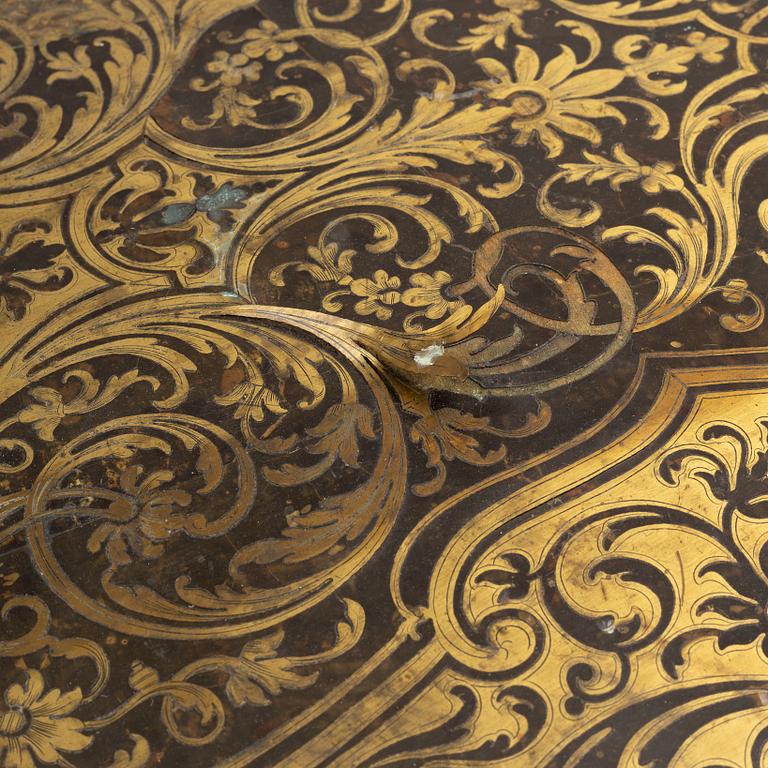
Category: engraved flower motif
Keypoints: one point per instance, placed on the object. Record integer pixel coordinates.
(35, 727)
(426, 293)
(230, 103)
(150, 515)
(552, 100)
(235, 106)
(233, 68)
(377, 295)
(268, 41)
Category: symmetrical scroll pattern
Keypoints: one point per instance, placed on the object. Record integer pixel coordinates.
(606, 621)
(269, 274)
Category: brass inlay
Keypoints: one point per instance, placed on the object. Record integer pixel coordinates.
(383, 383)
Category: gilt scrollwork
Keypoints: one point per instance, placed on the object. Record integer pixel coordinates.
(263, 270)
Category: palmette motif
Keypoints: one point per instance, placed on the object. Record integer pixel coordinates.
(338, 420)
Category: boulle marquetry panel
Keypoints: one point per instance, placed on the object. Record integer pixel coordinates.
(383, 383)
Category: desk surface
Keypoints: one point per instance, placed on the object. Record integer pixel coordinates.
(384, 383)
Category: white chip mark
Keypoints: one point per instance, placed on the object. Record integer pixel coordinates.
(429, 354)
(607, 625)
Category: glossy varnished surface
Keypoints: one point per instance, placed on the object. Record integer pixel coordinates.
(383, 383)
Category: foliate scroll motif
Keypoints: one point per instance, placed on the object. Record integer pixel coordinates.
(721, 16)
(652, 579)
(46, 142)
(32, 262)
(264, 268)
(387, 17)
(39, 267)
(137, 490)
(158, 221)
(274, 382)
(559, 322)
(652, 65)
(42, 724)
(498, 27)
